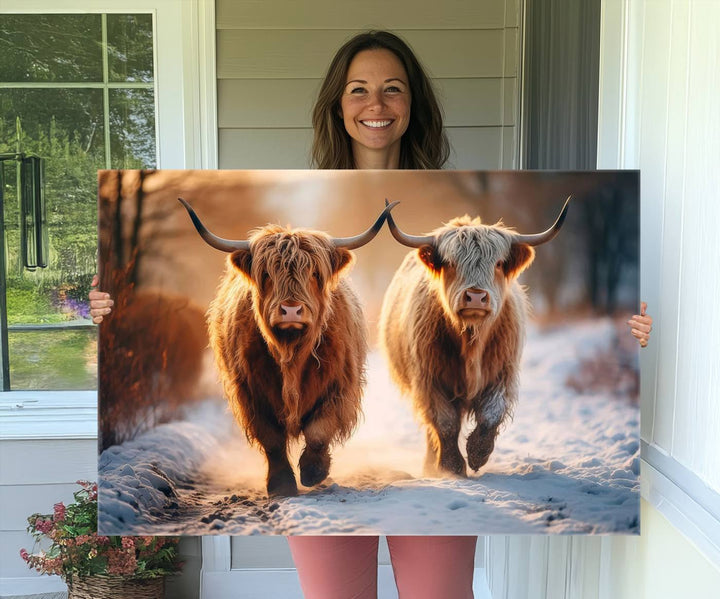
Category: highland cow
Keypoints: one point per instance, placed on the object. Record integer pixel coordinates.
(290, 343)
(453, 327)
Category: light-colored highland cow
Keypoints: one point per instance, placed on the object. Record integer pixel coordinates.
(290, 343)
(453, 327)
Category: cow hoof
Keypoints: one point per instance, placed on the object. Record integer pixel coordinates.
(477, 462)
(480, 445)
(314, 467)
(312, 475)
(282, 484)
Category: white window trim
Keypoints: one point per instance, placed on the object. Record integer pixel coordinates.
(186, 129)
(679, 494)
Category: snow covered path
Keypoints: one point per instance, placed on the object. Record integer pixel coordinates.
(567, 463)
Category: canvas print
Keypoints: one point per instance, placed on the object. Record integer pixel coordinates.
(368, 352)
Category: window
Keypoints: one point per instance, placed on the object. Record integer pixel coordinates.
(77, 90)
(186, 126)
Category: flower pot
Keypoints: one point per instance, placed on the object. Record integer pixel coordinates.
(116, 587)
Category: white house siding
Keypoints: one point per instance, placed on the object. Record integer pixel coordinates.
(675, 121)
(34, 475)
(670, 129)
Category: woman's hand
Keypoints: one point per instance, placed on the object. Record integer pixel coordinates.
(100, 302)
(641, 325)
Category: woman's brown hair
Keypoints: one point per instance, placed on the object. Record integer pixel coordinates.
(424, 144)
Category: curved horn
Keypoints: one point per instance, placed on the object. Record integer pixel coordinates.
(549, 235)
(225, 245)
(413, 241)
(352, 243)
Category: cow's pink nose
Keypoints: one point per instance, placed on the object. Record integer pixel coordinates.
(291, 313)
(477, 298)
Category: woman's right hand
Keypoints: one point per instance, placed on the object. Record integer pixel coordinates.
(641, 325)
(100, 302)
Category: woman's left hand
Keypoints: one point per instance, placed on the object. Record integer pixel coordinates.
(641, 325)
(100, 303)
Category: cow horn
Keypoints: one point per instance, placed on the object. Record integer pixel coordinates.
(352, 243)
(549, 235)
(225, 245)
(413, 241)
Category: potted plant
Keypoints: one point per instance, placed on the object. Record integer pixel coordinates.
(96, 566)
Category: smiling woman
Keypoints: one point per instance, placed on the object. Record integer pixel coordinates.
(363, 117)
(375, 108)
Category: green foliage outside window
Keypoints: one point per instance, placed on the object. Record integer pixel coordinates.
(63, 85)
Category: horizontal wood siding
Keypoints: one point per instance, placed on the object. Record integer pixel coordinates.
(270, 54)
(287, 103)
(47, 462)
(36, 474)
(271, 59)
(472, 148)
(330, 14)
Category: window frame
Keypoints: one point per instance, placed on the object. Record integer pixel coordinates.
(185, 95)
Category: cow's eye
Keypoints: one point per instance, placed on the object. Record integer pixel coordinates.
(499, 264)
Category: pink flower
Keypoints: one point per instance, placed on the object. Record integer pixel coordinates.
(53, 565)
(44, 526)
(59, 509)
(24, 555)
(128, 543)
(121, 562)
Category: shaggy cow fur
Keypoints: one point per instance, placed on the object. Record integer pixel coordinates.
(284, 379)
(453, 327)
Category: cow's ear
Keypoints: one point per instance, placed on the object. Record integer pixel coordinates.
(242, 260)
(430, 257)
(521, 256)
(341, 259)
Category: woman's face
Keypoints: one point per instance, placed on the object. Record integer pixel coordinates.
(375, 103)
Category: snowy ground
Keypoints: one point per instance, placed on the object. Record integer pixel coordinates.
(568, 463)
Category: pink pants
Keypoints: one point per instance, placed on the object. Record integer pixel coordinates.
(333, 567)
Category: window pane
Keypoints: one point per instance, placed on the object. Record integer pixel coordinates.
(132, 128)
(53, 122)
(50, 48)
(130, 47)
(53, 359)
(65, 127)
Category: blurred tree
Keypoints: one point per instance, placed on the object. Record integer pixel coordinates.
(612, 221)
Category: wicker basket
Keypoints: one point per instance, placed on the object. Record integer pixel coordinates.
(116, 587)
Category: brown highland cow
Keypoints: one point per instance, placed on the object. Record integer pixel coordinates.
(453, 326)
(290, 343)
